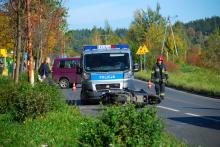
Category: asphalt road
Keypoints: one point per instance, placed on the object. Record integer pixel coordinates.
(191, 118)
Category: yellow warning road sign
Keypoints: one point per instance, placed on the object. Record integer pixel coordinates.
(142, 50)
(145, 49)
(139, 51)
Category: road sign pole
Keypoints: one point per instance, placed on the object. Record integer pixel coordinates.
(141, 62)
(144, 62)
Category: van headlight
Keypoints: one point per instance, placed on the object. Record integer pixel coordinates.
(128, 75)
(85, 76)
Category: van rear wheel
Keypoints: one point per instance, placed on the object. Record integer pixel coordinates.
(64, 83)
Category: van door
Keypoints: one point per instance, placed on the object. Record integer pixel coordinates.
(65, 69)
(77, 76)
(55, 71)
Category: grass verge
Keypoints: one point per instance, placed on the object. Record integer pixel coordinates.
(61, 128)
(192, 79)
(68, 127)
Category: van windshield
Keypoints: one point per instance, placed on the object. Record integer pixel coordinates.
(107, 62)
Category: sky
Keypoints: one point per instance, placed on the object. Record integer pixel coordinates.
(84, 14)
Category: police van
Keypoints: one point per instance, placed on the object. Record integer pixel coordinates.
(105, 68)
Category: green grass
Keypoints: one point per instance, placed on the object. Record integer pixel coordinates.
(62, 125)
(169, 140)
(199, 80)
(57, 128)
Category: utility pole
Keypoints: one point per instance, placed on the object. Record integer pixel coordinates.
(173, 38)
(29, 45)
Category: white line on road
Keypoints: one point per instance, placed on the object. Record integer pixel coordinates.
(203, 117)
(167, 108)
(191, 114)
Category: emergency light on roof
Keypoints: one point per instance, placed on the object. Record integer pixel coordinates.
(100, 47)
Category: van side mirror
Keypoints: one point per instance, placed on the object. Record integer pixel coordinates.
(136, 67)
(78, 70)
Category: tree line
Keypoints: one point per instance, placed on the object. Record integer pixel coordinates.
(196, 42)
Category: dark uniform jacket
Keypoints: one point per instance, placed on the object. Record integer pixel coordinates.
(159, 73)
(44, 70)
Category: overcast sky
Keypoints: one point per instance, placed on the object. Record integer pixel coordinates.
(120, 13)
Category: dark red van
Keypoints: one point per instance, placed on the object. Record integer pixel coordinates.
(64, 71)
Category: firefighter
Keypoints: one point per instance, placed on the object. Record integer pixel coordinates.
(159, 76)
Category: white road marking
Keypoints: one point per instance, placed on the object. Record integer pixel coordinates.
(191, 114)
(167, 108)
(203, 117)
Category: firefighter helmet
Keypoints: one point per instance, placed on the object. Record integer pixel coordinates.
(160, 58)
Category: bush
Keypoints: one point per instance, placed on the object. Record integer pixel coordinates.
(34, 101)
(7, 90)
(22, 100)
(171, 67)
(194, 59)
(150, 61)
(123, 126)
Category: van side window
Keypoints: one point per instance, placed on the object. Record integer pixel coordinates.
(62, 64)
(67, 64)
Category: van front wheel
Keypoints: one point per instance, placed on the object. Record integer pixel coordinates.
(64, 83)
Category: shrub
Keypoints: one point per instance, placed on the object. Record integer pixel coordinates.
(22, 100)
(194, 59)
(7, 90)
(171, 67)
(33, 101)
(124, 126)
(150, 61)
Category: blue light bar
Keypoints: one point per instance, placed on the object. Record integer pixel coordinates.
(89, 47)
(105, 47)
(122, 46)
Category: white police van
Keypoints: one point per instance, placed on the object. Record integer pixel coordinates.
(105, 68)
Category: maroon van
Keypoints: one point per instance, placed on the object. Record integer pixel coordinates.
(64, 71)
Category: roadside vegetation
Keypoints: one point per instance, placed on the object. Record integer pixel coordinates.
(194, 79)
(197, 42)
(35, 116)
(194, 63)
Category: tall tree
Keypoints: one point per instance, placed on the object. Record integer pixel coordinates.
(212, 50)
(147, 28)
(17, 7)
(29, 44)
(95, 36)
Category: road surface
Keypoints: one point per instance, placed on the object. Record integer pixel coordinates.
(191, 118)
